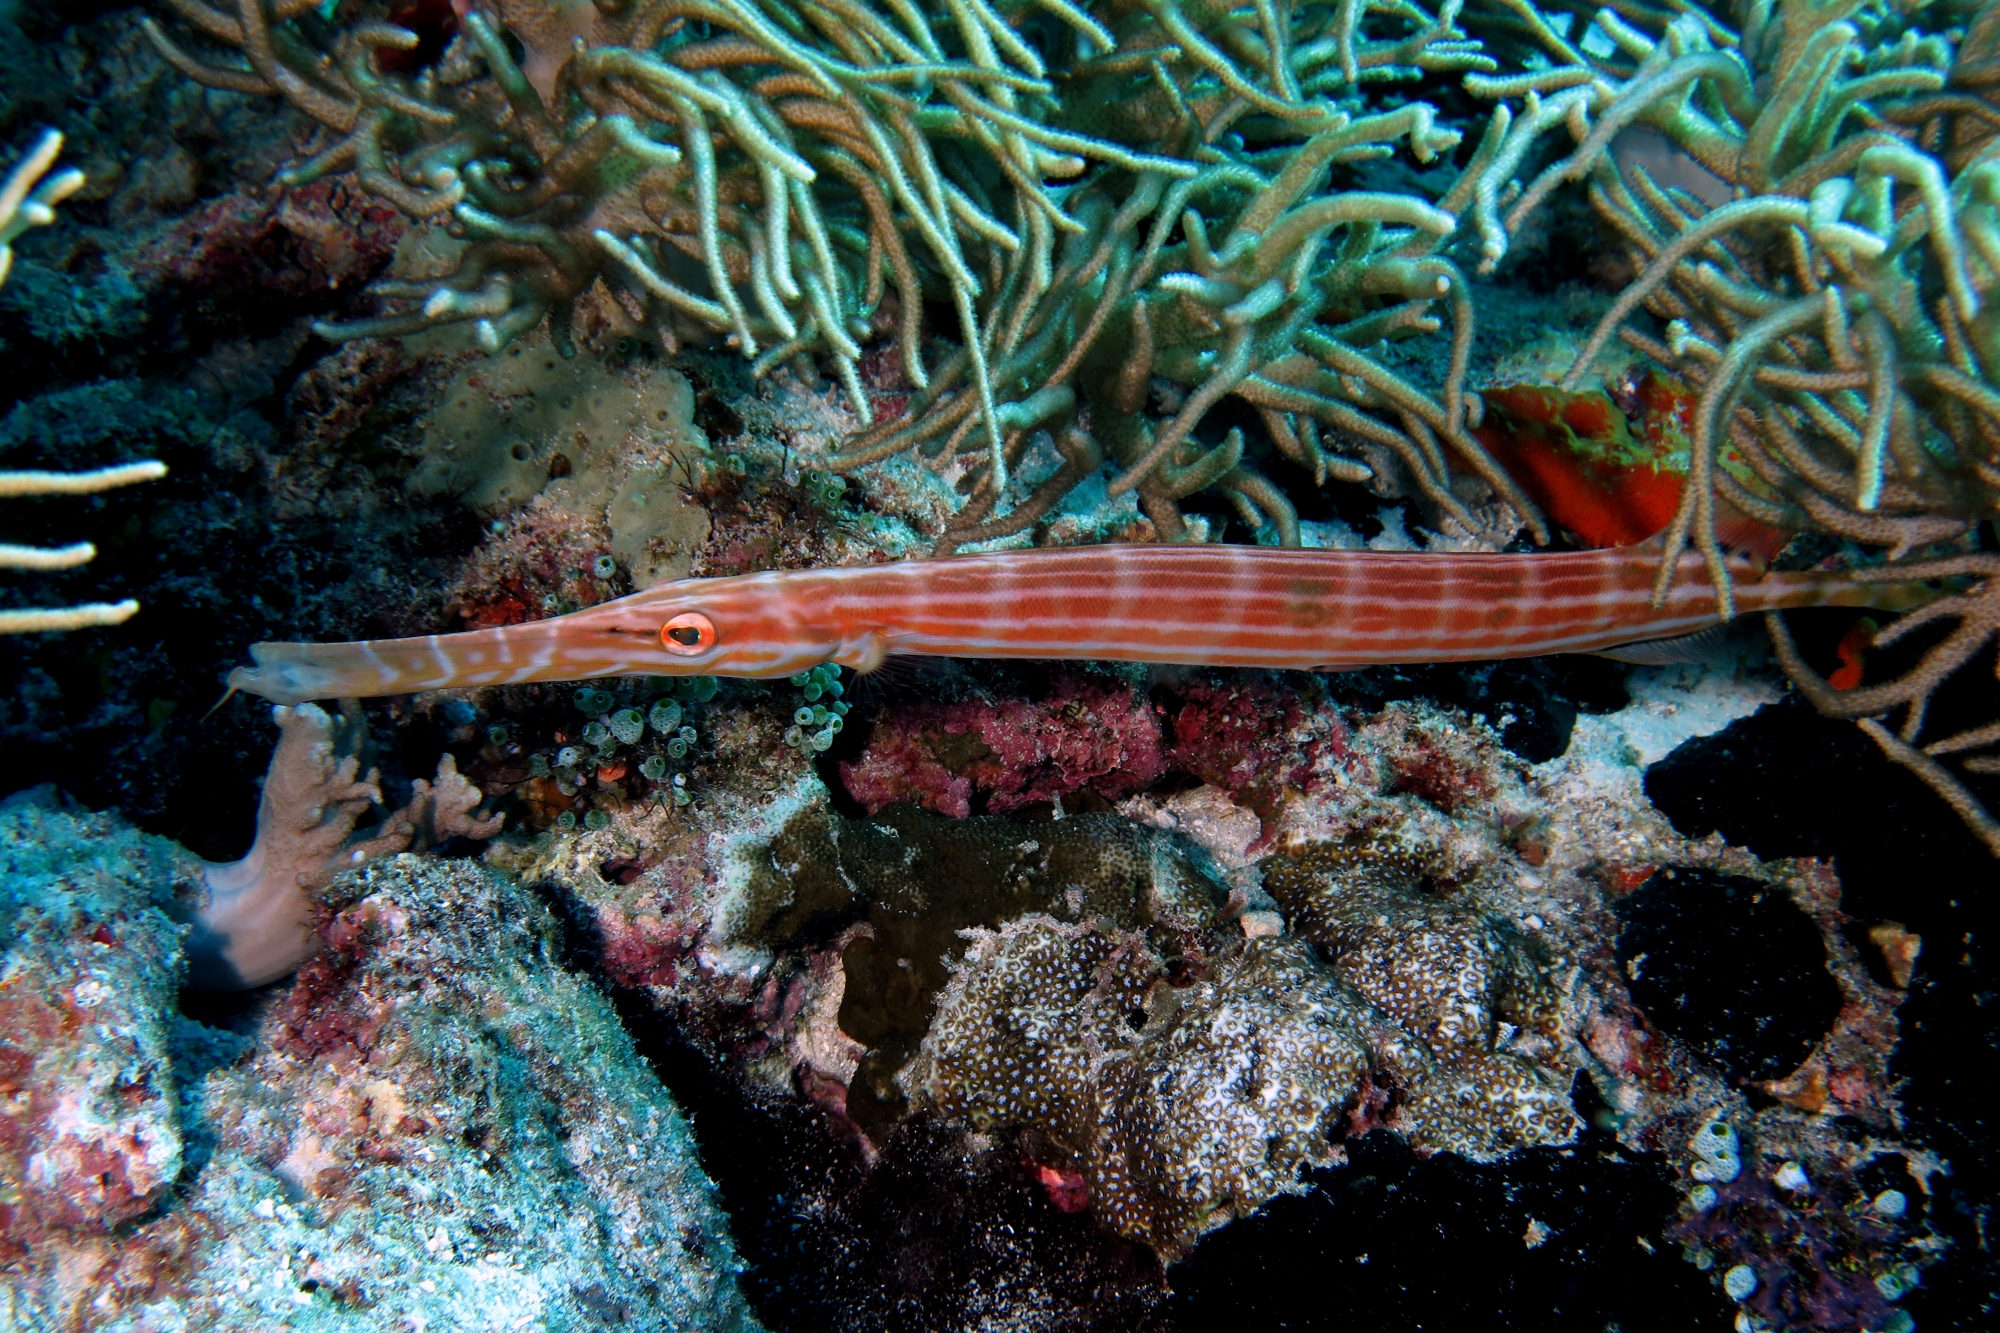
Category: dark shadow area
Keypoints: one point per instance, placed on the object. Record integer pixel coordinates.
(1731, 967)
(1554, 1238)
(1788, 782)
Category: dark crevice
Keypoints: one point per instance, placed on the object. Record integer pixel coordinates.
(1788, 782)
(1552, 1238)
(1731, 967)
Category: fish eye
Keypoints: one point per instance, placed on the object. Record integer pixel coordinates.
(688, 634)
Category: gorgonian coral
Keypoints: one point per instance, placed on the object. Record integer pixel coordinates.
(27, 199)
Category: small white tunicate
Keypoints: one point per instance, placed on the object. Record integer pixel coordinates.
(1791, 1176)
(1890, 1203)
(1717, 1138)
(1890, 1285)
(1716, 1145)
(1702, 1198)
(1739, 1282)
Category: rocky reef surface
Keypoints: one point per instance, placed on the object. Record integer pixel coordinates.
(1542, 994)
(434, 1125)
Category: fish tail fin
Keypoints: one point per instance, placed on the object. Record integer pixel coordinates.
(1883, 596)
(1870, 590)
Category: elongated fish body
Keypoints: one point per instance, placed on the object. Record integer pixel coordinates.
(1192, 605)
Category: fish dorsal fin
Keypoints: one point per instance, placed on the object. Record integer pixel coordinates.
(1757, 541)
(863, 652)
(1709, 647)
(1739, 534)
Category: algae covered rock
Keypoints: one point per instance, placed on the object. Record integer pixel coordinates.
(1187, 1089)
(894, 893)
(1459, 979)
(435, 1125)
(90, 1123)
(441, 1124)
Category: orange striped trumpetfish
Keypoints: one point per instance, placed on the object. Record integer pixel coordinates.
(1236, 606)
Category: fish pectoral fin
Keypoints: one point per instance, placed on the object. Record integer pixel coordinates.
(863, 653)
(1708, 647)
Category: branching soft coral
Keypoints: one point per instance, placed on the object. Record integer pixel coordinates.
(255, 921)
(795, 177)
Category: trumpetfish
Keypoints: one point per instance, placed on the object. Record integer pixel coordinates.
(1223, 606)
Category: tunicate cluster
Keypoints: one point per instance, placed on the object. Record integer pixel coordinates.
(816, 723)
(612, 728)
(628, 725)
(824, 489)
(1718, 1155)
(1182, 1107)
(1480, 997)
(1186, 1095)
(591, 700)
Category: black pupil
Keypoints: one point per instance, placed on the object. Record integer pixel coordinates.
(686, 635)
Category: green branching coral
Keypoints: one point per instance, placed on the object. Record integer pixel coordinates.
(794, 178)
